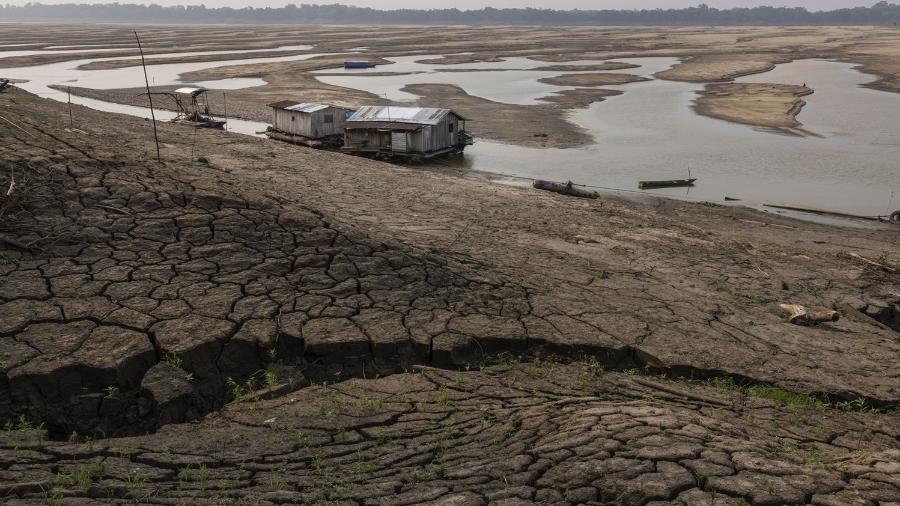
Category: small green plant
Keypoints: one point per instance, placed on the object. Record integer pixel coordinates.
(25, 432)
(82, 477)
(185, 473)
(173, 359)
(785, 397)
(136, 483)
(53, 497)
(271, 379)
(123, 451)
(202, 476)
(857, 405)
(443, 398)
(276, 481)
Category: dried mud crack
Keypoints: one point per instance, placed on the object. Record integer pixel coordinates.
(183, 310)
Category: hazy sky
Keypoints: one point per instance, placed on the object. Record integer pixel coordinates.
(474, 4)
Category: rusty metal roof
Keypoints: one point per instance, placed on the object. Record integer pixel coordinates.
(410, 115)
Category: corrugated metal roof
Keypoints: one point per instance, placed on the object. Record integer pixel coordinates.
(382, 125)
(290, 105)
(413, 115)
(192, 90)
(307, 107)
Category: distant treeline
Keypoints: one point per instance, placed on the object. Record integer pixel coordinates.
(882, 13)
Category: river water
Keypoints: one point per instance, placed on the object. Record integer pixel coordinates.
(850, 162)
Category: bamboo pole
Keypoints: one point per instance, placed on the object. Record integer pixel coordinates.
(69, 91)
(225, 106)
(149, 96)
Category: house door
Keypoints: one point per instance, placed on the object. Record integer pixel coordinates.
(399, 142)
(384, 139)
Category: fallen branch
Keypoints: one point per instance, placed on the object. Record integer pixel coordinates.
(12, 183)
(114, 209)
(680, 393)
(565, 189)
(872, 262)
(17, 126)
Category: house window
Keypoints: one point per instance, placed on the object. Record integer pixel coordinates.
(451, 128)
(329, 118)
(293, 118)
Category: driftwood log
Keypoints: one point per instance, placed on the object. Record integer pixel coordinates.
(565, 189)
(800, 315)
(293, 139)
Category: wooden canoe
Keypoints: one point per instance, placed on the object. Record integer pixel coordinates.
(672, 183)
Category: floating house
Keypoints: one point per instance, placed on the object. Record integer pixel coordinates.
(406, 132)
(309, 124)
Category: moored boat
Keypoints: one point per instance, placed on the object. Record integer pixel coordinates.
(671, 183)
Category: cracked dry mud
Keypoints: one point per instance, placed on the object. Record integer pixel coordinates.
(539, 432)
(135, 296)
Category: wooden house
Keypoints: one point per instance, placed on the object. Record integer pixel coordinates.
(407, 132)
(310, 124)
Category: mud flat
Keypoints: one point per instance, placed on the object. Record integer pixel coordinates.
(759, 104)
(724, 67)
(214, 287)
(592, 79)
(709, 55)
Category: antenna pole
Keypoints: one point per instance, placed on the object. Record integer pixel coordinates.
(149, 96)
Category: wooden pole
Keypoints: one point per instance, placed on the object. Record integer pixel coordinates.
(149, 96)
(225, 106)
(69, 91)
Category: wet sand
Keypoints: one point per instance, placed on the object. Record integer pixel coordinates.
(758, 104)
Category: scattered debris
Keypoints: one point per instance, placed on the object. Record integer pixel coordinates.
(4, 84)
(564, 189)
(800, 315)
(671, 183)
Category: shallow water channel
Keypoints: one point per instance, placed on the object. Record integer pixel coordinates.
(41, 77)
(849, 163)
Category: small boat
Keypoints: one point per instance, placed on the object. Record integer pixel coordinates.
(672, 183)
(204, 122)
